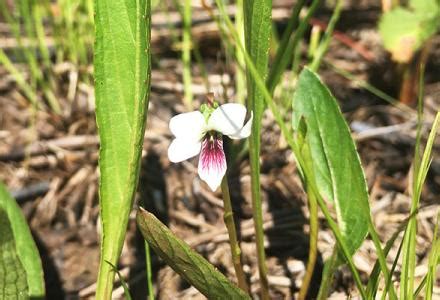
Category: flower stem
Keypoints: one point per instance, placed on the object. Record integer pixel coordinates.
(230, 225)
(149, 271)
(313, 249)
(254, 158)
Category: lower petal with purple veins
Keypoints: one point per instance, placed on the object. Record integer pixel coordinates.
(212, 161)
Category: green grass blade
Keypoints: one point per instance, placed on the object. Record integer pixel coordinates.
(432, 263)
(287, 46)
(186, 262)
(420, 287)
(122, 81)
(257, 33)
(122, 280)
(186, 53)
(240, 76)
(148, 271)
(420, 172)
(373, 280)
(19, 78)
(40, 34)
(323, 46)
(25, 14)
(284, 42)
(17, 246)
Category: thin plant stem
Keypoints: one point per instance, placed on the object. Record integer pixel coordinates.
(328, 275)
(388, 282)
(296, 60)
(373, 277)
(334, 227)
(149, 271)
(258, 215)
(121, 279)
(430, 277)
(258, 52)
(408, 261)
(315, 36)
(186, 53)
(313, 246)
(228, 217)
(381, 257)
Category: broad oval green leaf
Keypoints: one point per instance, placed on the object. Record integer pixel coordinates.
(332, 156)
(122, 81)
(21, 273)
(186, 262)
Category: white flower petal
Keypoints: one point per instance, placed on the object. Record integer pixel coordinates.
(212, 162)
(181, 149)
(243, 132)
(189, 125)
(227, 118)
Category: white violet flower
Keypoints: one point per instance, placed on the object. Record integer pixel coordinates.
(202, 132)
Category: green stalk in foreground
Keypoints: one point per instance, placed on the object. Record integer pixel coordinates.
(122, 81)
(148, 267)
(149, 272)
(240, 77)
(186, 53)
(228, 217)
(257, 34)
(313, 246)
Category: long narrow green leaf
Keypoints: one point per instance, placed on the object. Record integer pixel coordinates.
(433, 262)
(373, 280)
(325, 43)
(335, 162)
(122, 81)
(21, 273)
(409, 242)
(123, 283)
(188, 263)
(186, 53)
(257, 34)
(19, 78)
